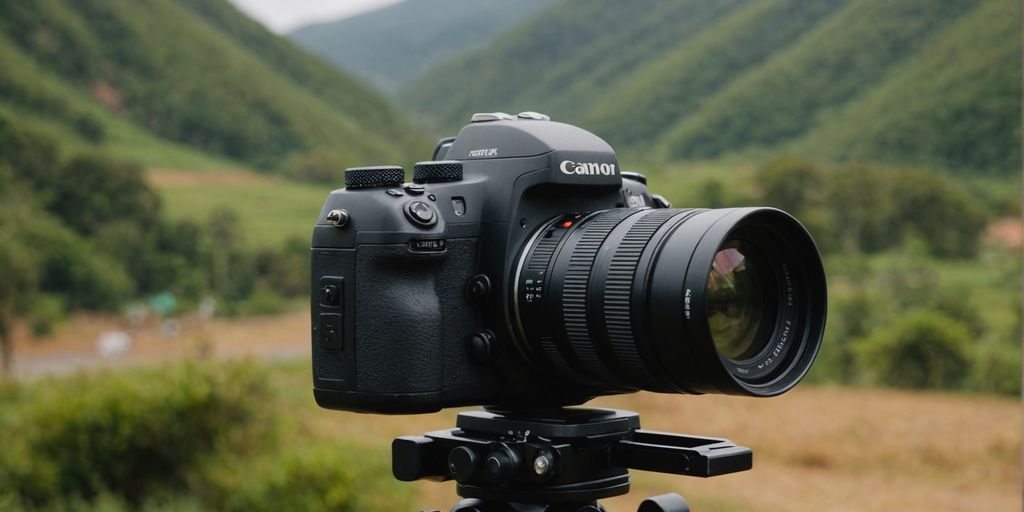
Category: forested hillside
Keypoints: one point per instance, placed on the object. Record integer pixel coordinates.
(913, 82)
(98, 96)
(167, 74)
(393, 46)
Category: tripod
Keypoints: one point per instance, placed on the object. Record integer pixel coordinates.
(559, 460)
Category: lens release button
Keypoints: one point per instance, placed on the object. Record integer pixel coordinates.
(421, 213)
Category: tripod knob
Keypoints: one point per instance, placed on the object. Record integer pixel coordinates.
(502, 464)
(462, 463)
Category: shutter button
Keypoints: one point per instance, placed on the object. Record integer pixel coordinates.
(421, 213)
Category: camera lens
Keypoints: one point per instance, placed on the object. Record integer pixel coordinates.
(673, 300)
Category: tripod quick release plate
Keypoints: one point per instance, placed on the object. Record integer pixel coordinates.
(569, 455)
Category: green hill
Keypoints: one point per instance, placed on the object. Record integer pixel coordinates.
(188, 82)
(913, 82)
(391, 47)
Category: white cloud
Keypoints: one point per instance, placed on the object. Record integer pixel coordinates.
(284, 15)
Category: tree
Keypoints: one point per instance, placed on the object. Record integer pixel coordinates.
(790, 184)
(18, 279)
(93, 189)
(940, 211)
(924, 349)
(860, 208)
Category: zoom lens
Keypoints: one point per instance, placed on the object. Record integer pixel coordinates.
(689, 301)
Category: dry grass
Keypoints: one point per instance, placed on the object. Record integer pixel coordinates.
(815, 448)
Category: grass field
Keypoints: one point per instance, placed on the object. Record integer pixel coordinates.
(272, 209)
(815, 449)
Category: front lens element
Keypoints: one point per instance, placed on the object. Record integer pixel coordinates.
(737, 305)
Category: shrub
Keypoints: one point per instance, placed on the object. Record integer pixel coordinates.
(45, 314)
(127, 434)
(313, 476)
(923, 349)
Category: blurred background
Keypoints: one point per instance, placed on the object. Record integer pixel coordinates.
(162, 162)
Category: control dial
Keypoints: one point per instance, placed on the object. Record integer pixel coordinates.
(437, 172)
(372, 177)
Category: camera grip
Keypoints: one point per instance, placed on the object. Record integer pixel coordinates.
(411, 317)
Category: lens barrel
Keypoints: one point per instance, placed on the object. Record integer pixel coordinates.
(672, 300)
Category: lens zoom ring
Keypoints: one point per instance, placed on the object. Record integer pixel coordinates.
(619, 288)
(574, 288)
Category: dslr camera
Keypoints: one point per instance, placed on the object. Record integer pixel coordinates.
(522, 269)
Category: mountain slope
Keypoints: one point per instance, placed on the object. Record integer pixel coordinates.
(198, 74)
(911, 82)
(901, 121)
(392, 46)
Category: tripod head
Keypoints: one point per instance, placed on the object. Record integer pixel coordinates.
(557, 460)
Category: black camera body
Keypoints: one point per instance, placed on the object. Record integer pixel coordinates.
(435, 293)
(420, 317)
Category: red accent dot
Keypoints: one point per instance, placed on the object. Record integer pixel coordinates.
(567, 224)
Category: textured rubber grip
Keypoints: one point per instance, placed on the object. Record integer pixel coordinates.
(437, 172)
(574, 289)
(372, 177)
(618, 305)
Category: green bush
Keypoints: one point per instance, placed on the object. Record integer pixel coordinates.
(320, 165)
(45, 314)
(128, 434)
(996, 368)
(923, 349)
(312, 476)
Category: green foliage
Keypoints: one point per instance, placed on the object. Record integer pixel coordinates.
(996, 368)
(16, 288)
(863, 208)
(317, 166)
(79, 62)
(919, 83)
(184, 437)
(922, 350)
(409, 38)
(942, 212)
(93, 231)
(45, 313)
(955, 104)
(791, 184)
(874, 305)
(91, 190)
(128, 434)
(316, 476)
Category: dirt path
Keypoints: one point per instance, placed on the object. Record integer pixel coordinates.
(74, 345)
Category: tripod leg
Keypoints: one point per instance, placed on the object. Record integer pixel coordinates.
(670, 502)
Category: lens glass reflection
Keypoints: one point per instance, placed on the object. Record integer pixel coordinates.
(736, 300)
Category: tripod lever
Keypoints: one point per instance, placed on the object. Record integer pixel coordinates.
(680, 454)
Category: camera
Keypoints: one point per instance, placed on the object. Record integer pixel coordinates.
(522, 269)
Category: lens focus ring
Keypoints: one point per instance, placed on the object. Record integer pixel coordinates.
(574, 289)
(618, 308)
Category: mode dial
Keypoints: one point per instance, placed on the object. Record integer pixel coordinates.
(437, 171)
(372, 177)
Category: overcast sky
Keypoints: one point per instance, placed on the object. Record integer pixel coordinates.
(284, 15)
